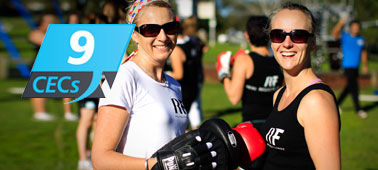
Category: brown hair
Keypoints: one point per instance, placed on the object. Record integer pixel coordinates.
(294, 6)
(189, 26)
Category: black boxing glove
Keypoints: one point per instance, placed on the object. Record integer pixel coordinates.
(224, 133)
(192, 151)
(243, 143)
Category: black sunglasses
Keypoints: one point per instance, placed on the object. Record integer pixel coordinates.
(297, 36)
(152, 30)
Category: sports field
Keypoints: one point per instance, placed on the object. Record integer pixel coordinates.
(29, 144)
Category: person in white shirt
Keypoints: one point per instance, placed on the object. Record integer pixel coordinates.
(142, 110)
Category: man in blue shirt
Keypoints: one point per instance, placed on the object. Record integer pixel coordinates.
(352, 45)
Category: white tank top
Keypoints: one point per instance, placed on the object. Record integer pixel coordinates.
(157, 114)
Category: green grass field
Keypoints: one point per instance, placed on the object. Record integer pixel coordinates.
(29, 144)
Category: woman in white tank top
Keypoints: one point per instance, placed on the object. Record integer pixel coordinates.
(142, 110)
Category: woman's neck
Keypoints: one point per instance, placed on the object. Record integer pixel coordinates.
(152, 68)
(297, 82)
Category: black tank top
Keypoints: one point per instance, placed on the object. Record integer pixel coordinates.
(193, 70)
(257, 99)
(286, 144)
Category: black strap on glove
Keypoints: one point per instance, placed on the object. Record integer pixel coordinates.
(224, 133)
(194, 150)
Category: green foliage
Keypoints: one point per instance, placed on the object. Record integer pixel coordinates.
(365, 12)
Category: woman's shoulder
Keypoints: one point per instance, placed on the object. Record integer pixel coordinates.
(317, 104)
(318, 94)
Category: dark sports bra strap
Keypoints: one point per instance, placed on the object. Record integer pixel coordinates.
(317, 86)
(295, 103)
(304, 92)
(279, 96)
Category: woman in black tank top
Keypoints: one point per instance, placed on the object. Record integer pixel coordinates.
(302, 132)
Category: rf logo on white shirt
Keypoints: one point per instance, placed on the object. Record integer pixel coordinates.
(179, 106)
(273, 135)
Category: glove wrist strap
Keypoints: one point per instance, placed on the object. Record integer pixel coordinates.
(223, 76)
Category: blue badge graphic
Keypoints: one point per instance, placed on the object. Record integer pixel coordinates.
(73, 58)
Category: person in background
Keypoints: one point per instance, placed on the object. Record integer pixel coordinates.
(87, 110)
(73, 18)
(111, 11)
(39, 104)
(256, 75)
(185, 65)
(303, 130)
(122, 12)
(352, 45)
(90, 18)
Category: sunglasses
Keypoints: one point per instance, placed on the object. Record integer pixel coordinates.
(152, 30)
(297, 36)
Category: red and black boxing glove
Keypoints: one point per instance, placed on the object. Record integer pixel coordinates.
(223, 65)
(237, 54)
(251, 143)
(243, 144)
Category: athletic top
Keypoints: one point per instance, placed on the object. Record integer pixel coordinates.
(351, 48)
(286, 144)
(157, 114)
(257, 99)
(193, 70)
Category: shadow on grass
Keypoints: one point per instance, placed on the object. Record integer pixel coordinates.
(370, 106)
(10, 98)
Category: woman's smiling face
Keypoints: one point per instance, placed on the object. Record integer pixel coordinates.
(161, 46)
(292, 56)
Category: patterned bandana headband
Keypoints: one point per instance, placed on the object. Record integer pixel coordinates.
(137, 6)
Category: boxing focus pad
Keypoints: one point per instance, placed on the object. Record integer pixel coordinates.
(194, 150)
(243, 143)
(223, 131)
(223, 65)
(251, 144)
